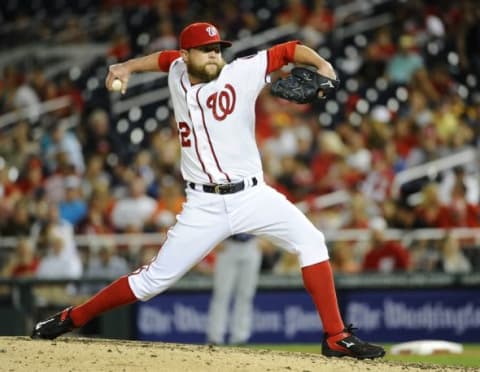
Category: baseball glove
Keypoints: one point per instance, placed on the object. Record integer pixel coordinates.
(303, 85)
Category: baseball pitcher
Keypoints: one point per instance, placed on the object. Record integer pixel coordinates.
(214, 107)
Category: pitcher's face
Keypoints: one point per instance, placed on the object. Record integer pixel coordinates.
(204, 63)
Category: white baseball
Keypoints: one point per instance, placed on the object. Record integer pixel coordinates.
(117, 85)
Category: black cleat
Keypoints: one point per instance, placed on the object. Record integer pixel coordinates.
(347, 344)
(54, 326)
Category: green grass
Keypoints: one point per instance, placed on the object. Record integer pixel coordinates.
(469, 358)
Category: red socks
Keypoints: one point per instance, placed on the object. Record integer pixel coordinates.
(116, 294)
(318, 281)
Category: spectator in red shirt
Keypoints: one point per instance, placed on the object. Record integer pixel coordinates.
(385, 256)
(405, 137)
(120, 48)
(23, 262)
(463, 213)
(431, 211)
(31, 178)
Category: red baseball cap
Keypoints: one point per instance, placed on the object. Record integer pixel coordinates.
(199, 34)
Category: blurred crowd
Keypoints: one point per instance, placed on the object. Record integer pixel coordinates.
(410, 95)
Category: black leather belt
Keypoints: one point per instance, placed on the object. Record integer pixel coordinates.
(222, 188)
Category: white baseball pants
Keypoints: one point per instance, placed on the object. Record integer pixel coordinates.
(207, 219)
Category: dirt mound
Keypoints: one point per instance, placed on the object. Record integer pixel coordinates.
(81, 354)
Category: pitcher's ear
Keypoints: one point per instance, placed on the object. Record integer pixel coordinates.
(184, 54)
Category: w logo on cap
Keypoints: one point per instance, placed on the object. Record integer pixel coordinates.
(201, 33)
(211, 31)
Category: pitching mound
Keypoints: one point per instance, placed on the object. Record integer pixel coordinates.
(81, 354)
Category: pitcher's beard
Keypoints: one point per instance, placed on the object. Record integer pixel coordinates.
(202, 73)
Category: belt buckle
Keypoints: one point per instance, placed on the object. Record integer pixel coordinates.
(217, 189)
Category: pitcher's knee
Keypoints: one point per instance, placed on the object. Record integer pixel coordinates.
(145, 285)
(313, 251)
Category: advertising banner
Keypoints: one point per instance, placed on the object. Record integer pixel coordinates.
(404, 315)
(279, 316)
(290, 316)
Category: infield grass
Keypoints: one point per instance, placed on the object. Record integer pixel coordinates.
(469, 358)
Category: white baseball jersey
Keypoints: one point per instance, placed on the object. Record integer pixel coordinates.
(216, 120)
